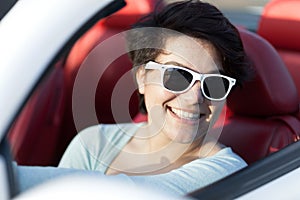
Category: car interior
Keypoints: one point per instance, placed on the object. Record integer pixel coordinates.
(279, 24)
(261, 118)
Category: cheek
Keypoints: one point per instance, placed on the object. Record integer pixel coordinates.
(156, 95)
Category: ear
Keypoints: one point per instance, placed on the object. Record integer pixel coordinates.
(140, 79)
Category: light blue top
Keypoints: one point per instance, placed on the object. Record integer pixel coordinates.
(95, 151)
(97, 146)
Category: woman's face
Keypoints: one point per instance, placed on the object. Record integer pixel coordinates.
(185, 116)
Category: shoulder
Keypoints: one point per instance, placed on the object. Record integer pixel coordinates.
(111, 128)
(97, 137)
(219, 165)
(95, 144)
(204, 171)
(195, 174)
(229, 159)
(108, 131)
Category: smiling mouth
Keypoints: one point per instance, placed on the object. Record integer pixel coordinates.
(185, 115)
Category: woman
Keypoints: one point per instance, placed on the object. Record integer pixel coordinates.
(187, 58)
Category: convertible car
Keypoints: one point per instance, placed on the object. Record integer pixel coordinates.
(63, 67)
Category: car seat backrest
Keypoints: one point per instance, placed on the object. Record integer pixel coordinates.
(280, 25)
(36, 132)
(263, 112)
(263, 96)
(81, 54)
(114, 24)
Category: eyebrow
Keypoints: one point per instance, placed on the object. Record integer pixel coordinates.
(219, 71)
(176, 64)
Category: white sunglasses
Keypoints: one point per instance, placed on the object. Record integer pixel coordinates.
(175, 79)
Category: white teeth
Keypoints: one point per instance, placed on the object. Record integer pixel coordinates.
(185, 115)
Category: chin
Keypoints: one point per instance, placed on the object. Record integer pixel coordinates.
(185, 134)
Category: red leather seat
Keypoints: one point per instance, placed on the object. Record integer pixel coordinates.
(262, 116)
(36, 132)
(101, 32)
(280, 25)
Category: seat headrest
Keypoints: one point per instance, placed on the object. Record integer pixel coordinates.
(272, 90)
(128, 15)
(280, 24)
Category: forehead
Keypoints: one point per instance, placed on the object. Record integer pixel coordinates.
(199, 55)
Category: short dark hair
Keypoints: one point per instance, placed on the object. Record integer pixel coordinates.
(195, 19)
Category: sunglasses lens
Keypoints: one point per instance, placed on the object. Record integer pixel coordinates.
(215, 87)
(177, 79)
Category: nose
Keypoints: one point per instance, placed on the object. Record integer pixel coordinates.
(194, 94)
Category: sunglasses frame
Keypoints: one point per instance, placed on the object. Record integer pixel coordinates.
(196, 77)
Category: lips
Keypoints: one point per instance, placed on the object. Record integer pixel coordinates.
(184, 114)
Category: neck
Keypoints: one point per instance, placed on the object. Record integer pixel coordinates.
(156, 141)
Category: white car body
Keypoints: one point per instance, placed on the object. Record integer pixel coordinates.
(25, 33)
